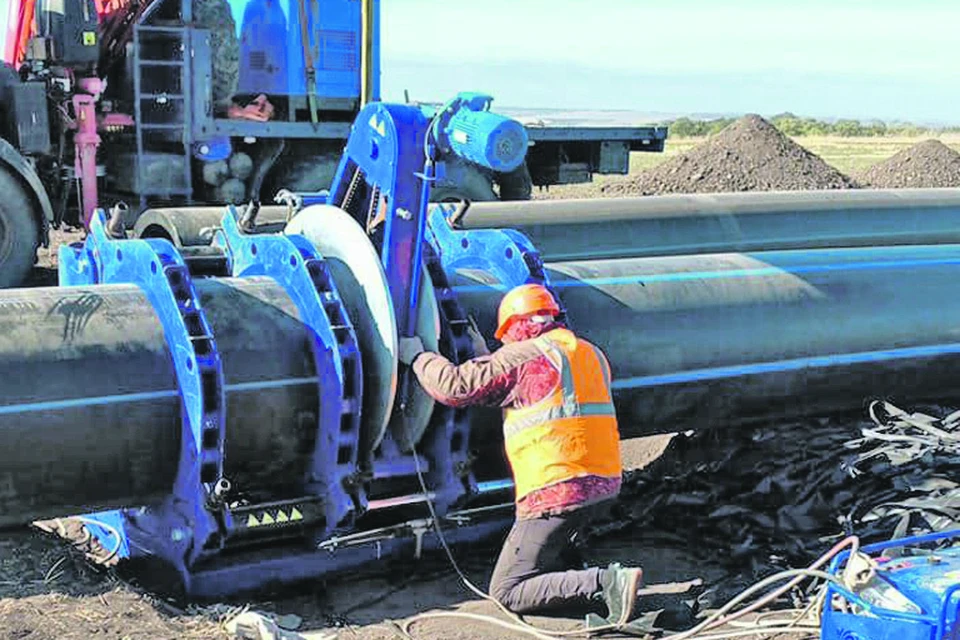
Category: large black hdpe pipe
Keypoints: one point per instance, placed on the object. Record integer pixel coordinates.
(729, 339)
(194, 226)
(90, 416)
(601, 229)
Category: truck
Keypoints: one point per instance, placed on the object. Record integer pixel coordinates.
(184, 106)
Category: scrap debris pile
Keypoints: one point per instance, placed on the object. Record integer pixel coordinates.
(928, 164)
(782, 494)
(749, 155)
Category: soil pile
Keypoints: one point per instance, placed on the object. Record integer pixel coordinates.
(928, 164)
(749, 155)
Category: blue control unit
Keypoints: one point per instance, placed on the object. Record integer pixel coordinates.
(914, 596)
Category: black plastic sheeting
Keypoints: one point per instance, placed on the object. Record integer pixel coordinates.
(780, 495)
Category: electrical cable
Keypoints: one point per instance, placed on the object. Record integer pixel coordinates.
(518, 625)
(716, 619)
(763, 620)
(753, 632)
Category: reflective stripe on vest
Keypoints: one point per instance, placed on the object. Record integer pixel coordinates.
(570, 407)
(572, 432)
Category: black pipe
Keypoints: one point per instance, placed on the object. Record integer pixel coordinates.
(726, 340)
(194, 226)
(603, 229)
(89, 409)
(271, 379)
(205, 260)
(90, 413)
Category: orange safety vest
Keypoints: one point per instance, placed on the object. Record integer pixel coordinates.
(573, 431)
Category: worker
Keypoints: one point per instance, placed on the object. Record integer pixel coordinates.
(562, 443)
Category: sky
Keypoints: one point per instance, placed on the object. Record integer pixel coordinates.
(865, 59)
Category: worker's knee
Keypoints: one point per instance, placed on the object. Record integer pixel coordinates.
(504, 592)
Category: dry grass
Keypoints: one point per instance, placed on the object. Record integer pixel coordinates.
(849, 155)
(854, 155)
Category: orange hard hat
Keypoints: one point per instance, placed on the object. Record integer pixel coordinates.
(522, 301)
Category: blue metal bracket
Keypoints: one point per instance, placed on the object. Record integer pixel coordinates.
(446, 443)
(509, 259)
(505, 254)
(380, 179)
(383, 181)
(187, 521)
(295, 264)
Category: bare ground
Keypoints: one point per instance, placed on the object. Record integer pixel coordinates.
(49, 591)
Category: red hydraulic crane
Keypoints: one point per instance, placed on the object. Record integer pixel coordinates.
(116, 18)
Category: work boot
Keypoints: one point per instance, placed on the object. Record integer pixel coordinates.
(619, 590)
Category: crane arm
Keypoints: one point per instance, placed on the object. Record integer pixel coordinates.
(116, 18)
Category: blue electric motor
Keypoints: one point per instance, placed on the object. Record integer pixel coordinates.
(475, 134)
(912, 597)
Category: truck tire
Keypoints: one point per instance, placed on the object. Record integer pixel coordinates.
(19, 232)
(471, 185)
(516, 185)
(304, 175)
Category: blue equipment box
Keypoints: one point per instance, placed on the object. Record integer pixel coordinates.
(918, 596)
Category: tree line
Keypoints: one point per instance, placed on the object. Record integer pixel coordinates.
(792, 125)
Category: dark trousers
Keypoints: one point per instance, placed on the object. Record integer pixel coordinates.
(535, 569)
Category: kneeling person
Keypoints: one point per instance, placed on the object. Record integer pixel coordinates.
(562, 442)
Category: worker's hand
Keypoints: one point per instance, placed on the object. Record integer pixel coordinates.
(410, 348)
(479, 344)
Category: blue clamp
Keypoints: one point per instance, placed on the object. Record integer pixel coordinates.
(381, 178)
(510, 259)
(296, 266)
(446, 442)
(189, 517)
(505, 254)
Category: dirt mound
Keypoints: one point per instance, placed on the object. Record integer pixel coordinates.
(749, 155)
(928, 164)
